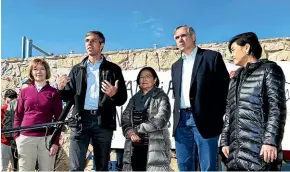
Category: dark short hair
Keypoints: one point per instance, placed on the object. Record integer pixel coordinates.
(152, 71)
(248, 38)
(10, 94)
(100, 34)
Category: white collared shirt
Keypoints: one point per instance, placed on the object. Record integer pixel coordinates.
(188, 62)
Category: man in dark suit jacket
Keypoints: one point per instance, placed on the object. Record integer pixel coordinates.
(200, 85)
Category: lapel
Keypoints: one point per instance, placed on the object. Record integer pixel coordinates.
(197, 61)
(178, 71)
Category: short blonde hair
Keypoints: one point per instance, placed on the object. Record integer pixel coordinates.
(35, 62)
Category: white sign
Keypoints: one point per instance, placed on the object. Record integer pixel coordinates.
(286, 69)
(165, 84)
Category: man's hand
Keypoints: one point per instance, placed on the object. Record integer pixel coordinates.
(53, 150)
(108, 89)
(269, 153)
(135, 138)
(226, 151)
(62, 81)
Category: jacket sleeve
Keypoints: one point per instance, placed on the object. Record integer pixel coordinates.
(160, 120)
(275, 95)
(19, 113)
(3, 112)
(224, 138)
(126, 122)
(70, 89)
(121, 96)
(8, 117)
(221, 81)
(57, 109)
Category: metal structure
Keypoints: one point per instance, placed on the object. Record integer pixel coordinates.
(26, 48)
(154, 46)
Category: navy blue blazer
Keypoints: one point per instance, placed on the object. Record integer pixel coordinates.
(208, 92)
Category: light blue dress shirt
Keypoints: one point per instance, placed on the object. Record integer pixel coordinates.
(93, 85)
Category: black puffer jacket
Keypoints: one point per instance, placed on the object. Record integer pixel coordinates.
(255, 115)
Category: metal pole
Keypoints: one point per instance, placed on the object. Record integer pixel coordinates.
(23, 47)
(40, 50)
(32, 127)
(28, 48)
(154, 46)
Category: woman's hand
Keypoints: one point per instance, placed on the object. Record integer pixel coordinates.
(135, 138)
(226, 151)
(53, 150)
(269, 153)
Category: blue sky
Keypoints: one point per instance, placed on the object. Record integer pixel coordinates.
(59, 26)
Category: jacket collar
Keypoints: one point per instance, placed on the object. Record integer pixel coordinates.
(155, 90)
(83, 63)
(250, 67)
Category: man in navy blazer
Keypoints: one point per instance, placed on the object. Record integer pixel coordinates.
(200, 84)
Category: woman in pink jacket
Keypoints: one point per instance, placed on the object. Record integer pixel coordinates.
(38, 103)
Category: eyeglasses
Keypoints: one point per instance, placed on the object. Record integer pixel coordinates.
(145, 77)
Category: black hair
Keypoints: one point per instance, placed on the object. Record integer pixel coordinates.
(100, 34)
(152, 71)
(248, 38)
(10, 94)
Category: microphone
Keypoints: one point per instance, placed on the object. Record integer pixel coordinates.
(61, 118)
(105, 77)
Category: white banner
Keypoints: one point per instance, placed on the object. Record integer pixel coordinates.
(165, 84)
(286, 69)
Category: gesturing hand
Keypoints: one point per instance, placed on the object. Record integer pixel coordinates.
(62, 81)
(109, 89)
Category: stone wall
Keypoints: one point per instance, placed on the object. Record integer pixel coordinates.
(14, 70)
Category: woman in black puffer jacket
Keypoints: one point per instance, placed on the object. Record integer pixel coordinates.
(256, 109)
